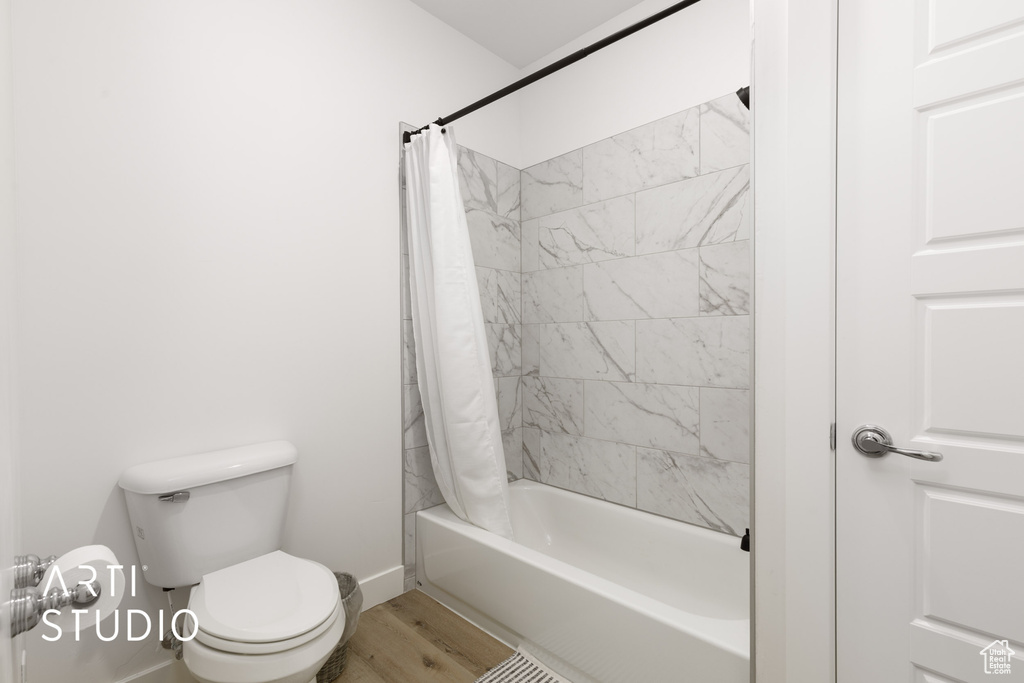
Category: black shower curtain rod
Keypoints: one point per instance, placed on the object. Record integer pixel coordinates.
(561, 64)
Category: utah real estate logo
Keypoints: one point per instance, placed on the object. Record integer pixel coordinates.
(997, 657)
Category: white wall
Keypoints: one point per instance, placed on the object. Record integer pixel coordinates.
(208, 256)
(694, 56)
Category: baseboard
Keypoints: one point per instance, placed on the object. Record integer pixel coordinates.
(382, 587)
(171, 671)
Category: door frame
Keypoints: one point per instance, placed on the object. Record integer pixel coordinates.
(795, 53)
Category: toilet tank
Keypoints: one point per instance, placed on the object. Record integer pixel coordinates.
(195, 514)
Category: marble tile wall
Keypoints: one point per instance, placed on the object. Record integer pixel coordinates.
(615, 288)
(491, 195)
(635, 334)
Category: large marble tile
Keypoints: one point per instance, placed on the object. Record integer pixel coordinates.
(724, 134)
(408, 354)
(654, 154)
(413, 427)
(512, 443)
(705, 210)
(651, 415)
(495, 240)
(530, 231)
(712, 351)
(508, 191)
(509, 297)
(487, 283)
(725, 278)
(553, 185)
(504, 346)
(653, 286)
(531, 350)
(510, 402)
(596, 468)
(478, 180)
(553, 405)
(598, 350)
(725, 424)
(421, 489)
(554, 295)
(531, 453)
(595, 232)
(698, 490)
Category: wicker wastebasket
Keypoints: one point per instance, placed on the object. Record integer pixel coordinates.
(351, 602)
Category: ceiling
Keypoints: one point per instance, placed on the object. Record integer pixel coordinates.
(523, 31)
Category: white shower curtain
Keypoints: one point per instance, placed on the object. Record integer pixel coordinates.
(453, 366)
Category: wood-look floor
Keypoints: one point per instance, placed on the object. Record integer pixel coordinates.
(414, 639)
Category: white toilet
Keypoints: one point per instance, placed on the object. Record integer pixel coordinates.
(214, 521)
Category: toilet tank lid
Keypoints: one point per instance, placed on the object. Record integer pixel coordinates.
(187, 471)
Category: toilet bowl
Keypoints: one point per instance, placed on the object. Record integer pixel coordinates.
(215, 522)
(272, 619)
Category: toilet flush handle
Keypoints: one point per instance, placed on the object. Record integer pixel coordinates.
(176, 497)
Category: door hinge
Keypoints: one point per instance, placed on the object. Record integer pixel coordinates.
(832, 436)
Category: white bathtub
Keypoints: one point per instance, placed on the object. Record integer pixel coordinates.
(599, 591)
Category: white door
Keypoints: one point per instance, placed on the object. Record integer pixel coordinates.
(8, 514)
(9, 538)
(930, 339)
(8, 517)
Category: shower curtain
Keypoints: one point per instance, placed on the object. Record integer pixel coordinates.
(453, 366)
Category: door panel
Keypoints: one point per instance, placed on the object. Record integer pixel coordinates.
(967, 149)
(930, 337)
(953, 20)
(973, 348)
(956, 587)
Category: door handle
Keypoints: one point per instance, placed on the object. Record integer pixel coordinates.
(875, 442)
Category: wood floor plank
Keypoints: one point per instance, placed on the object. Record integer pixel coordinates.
(415, 639)
(398, 654)
(358, 670)
(474, 649)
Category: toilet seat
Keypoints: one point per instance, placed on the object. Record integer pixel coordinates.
(244, 648)
(269, 604)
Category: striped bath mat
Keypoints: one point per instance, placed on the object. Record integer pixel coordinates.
(519, 668)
